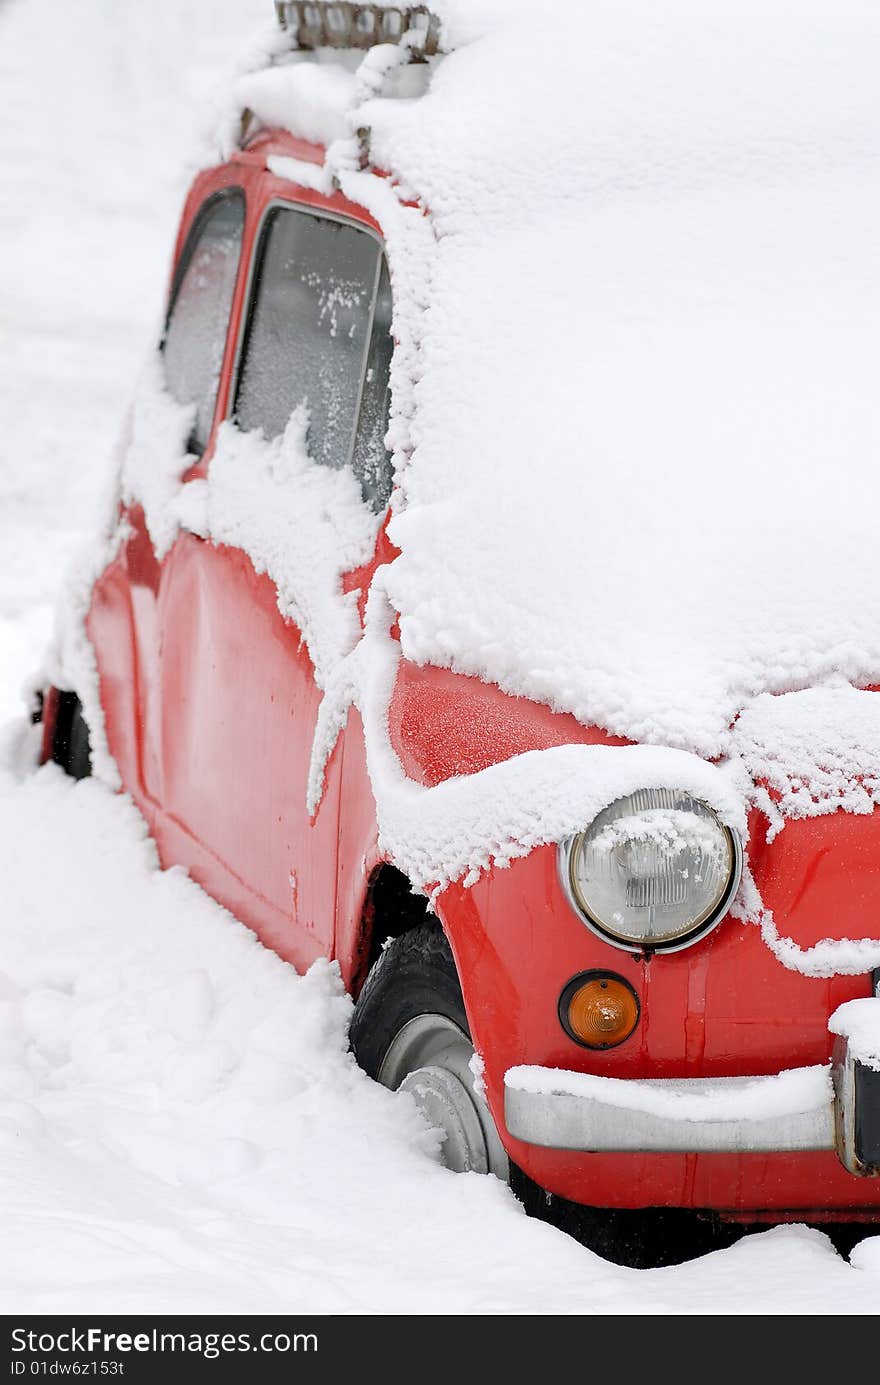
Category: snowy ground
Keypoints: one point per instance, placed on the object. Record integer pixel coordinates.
(181, 1126)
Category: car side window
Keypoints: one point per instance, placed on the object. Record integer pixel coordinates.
(318, 336)
(195, 332)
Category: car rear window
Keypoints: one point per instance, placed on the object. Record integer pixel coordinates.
(195, 332)
(318, 335)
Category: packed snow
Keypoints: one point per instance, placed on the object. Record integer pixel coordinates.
(154, 455)
(182, 1127)
(307, 524)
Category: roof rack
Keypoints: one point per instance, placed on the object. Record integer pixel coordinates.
(347, 25)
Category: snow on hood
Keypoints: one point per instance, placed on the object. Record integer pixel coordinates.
(812, 752)
(643, 480)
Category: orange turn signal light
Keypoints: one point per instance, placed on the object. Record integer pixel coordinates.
(599, 1009)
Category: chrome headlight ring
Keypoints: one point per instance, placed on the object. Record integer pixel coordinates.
(655, 871)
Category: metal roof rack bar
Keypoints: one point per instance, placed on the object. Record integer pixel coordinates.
(313, 24)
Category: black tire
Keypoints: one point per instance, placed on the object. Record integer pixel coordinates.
(414, 975)
(71, 747)
(410, 1032)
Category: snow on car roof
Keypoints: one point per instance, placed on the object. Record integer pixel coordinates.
(638, 477)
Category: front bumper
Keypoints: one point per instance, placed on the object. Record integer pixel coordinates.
(809, 1108)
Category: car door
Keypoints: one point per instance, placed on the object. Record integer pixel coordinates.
(239, 693)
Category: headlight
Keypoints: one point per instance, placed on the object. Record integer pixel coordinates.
(655, 870)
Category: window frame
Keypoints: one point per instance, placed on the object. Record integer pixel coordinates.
(193, 236)
(258, 241)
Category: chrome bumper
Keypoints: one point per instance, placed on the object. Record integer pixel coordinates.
(831, 1106)
(793, 1110)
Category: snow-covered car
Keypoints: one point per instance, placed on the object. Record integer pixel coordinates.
(489, 602)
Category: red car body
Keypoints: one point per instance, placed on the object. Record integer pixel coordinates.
(210, 704)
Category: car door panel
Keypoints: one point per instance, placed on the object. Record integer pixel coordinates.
(240, 706)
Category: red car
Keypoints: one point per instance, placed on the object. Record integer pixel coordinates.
(585, 1008)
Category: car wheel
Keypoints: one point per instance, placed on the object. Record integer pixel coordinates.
(410, 1032)
(71, 748)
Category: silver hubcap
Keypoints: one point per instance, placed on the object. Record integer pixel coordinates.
(429, 1058)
